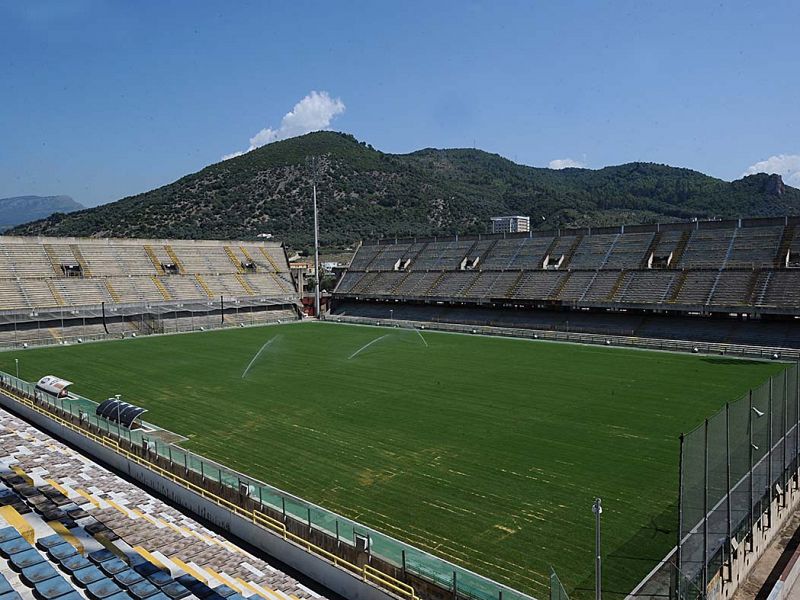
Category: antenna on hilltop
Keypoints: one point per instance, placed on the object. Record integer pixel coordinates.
(313, 165)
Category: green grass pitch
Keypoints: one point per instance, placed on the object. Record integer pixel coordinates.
(485, 451)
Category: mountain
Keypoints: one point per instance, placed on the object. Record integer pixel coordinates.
(21, 209)
(365, 193)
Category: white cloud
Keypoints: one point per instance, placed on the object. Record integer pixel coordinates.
(566, 163)
(786, 165)
(312, 113)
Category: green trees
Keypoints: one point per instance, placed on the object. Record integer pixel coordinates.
(364, 193)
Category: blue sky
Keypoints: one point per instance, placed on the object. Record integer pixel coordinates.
(103, 99)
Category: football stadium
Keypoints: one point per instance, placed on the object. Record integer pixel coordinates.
(443, 430)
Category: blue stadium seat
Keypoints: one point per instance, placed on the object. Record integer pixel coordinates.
(14, 546)
(38, 573)
(175, 590)
(160, 578)
(61, 551)
(101, 556)
(10, 596)
(198, 588)
(113, 566)
(99, 590)
(127, 578)
(87, 575)
(25, 559)
(224, 591)
(145, 569)
(73, 595)
(143, 590)
(8, 533)
(75, 563)
(57, 587)
(158, 596)
(5, 587)
(49, 541)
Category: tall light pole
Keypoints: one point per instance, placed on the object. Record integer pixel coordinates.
(316, 238)
(597, 509)
(16, 363)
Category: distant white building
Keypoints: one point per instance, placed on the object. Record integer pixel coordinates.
(511, 224)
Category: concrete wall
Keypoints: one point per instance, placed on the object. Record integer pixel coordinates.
(660, 583)
(764, 531)
(314, 567)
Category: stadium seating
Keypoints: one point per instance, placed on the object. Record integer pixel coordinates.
(711, 266)
(70, 530)
(40, 273)
(59, 290)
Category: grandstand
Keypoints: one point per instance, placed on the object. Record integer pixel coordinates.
(57, 289)
(747, 270)
(70, 529)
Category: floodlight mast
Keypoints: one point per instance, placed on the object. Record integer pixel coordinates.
(316, 256)
(316, 236)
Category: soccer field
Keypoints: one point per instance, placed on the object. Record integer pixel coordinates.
(485, 451)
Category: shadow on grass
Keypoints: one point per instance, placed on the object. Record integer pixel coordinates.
(625, 566)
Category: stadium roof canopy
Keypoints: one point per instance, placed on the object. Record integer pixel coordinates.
(118, 411)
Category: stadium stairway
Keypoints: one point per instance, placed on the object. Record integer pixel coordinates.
(71, 530)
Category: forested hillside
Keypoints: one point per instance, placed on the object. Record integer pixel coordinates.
(365, 193)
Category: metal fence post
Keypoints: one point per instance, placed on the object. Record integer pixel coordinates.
(705, 505)
(797, 424)
(680, 513)
(728, 473)
(769, 459)
(750, 478)
(784, 482)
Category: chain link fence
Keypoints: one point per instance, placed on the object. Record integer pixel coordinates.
(557, 591)
(732, 468)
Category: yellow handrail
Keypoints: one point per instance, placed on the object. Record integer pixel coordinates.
(367, 572)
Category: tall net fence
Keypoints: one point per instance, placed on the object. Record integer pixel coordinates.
(732, 468)
(461, 582)
(557, 591)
